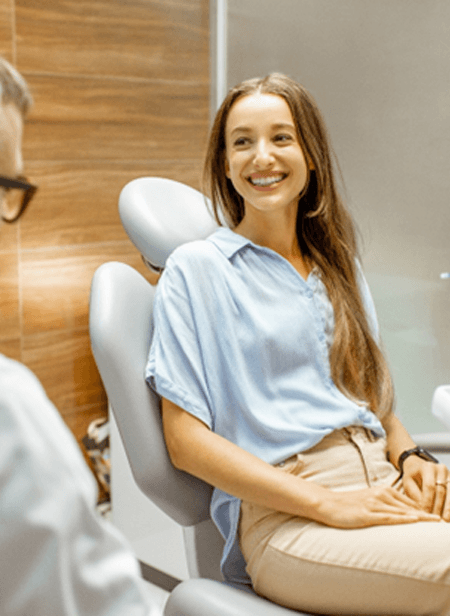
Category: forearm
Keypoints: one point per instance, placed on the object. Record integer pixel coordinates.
(204, 454)
(197, 450)
(398, 439)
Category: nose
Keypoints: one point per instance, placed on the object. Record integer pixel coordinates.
(263, 154)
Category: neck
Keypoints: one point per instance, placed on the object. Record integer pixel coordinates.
(279, 233)
(272, 231)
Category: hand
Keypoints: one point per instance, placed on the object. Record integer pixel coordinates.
(371, 507)
(427, 484)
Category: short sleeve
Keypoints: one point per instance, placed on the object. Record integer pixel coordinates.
(176, 366)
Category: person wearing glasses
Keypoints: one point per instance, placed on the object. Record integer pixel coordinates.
(57, 556)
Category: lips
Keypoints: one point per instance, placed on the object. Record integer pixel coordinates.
(266, 180)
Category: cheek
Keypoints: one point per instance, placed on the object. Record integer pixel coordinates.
(7, 157)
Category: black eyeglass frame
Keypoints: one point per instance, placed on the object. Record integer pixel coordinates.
(21, 183)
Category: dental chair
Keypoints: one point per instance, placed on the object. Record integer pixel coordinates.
(159, 215)
(121, 329)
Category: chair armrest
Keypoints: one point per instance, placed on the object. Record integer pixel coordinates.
(434, 441)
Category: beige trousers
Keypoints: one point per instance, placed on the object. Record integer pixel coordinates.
(377, 571)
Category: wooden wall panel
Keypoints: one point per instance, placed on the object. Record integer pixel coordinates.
(56, 283)
(9, 237)
(9, 297)
(6, 29)
(11, 348)
(76, 118)
(77, 203)
(66, 368)
(55, 342)
(150, 39)
(121, 90)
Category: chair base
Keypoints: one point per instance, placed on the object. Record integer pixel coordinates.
(206, 597)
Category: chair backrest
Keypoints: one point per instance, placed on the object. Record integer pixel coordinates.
(160, 214)
(120, 329)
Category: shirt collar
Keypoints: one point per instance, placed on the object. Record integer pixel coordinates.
(228, 242)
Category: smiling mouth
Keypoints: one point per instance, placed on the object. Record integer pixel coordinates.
(267, 180)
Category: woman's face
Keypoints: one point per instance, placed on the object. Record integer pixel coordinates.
(264, 160)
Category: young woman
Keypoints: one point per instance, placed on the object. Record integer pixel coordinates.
(274, 387)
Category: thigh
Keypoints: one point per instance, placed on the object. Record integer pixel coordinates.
(382, 570)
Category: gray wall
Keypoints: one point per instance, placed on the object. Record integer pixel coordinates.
(380, 73)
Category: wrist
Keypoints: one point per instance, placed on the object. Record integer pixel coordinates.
(419, 452)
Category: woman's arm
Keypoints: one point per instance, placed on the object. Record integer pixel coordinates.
(194, 448)
(425, 482)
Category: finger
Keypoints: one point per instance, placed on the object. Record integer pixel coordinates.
(400, 509)
(429, 479)
(439, 498)
(413, 491)
(440, 488)
(397, 504)
(382, 518)
(396, 496)
(446, 509)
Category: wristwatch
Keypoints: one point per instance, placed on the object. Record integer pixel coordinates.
(415, 451)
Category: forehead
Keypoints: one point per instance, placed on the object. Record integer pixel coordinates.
(11, 127)
(259, 109)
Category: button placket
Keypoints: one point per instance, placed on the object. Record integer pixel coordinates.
(359, 440)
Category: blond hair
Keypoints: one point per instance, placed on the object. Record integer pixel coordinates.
(326, 235)
(13, 88)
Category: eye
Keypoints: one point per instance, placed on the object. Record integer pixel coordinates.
(283, 138)
(241, 142)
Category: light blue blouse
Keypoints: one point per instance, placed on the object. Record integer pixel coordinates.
(241, 342)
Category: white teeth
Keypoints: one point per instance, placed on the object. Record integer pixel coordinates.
(266, 181)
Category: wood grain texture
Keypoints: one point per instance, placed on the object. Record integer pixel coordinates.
(151, 39)
(9, 237)
(77, 202)
(66, 368)
(121, 91)
(75, 118)
(11, 348)
(9, 296)
(56, 284)
(6, 30)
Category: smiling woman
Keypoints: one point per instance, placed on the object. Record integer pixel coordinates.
(274, 388)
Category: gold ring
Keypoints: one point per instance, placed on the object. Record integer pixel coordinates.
(441, 483)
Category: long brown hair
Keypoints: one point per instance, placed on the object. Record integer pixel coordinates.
(326, 235)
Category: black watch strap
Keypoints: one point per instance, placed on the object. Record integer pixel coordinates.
(415, 451)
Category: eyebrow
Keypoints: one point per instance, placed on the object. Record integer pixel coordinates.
(247, 129)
